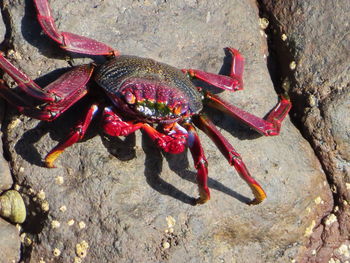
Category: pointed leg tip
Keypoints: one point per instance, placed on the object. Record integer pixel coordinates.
(51, 157)
(201, 201)
(255, 201)
(204, 196)
(259, 194)
(49, 164)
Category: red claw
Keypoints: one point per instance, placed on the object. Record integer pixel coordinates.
(174, 142)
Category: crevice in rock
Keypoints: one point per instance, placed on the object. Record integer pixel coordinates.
(281, 55)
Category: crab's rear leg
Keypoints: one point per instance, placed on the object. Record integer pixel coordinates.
(69, 41)
(269, 126)
(232, 156)
(76, 134)
(233, 82)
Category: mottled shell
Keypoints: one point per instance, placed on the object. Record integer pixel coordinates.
(115, 72)
(12, 207)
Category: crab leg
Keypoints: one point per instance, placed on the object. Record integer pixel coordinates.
(75, 135)
(24, 82)
(69, 41)
(200, 163)
(269, 126)
(233, 82)
(232, 157)
(67, 89)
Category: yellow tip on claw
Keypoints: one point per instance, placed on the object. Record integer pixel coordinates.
(203, 197)
(51, 157)
(259, 194)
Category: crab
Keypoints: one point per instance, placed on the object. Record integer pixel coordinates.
(140, 93)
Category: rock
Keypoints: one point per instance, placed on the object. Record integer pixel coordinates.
(5, 175)
(318, 41)
(109, 200)
(10, 242)
(2, 29)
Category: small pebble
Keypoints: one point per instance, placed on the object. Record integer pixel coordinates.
(166, 245)
(63, 208)
(59, 180)
(55, 224)
(45, 206)
(41, 195)
(81, 249)
(82, 224)
(264, 23)
(56, 252)
(293, 65)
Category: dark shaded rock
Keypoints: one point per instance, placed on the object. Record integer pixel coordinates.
(123, 199)
(9, 242)
(318, 41)
(5, 175)
(2, 29)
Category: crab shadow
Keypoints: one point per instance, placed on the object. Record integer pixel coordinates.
(153, 169)
(123, 149)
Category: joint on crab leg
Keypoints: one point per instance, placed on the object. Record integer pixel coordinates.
(69, 41)
(232, 157)
(200, 163)
(24, 82)
(113, 125)
(66, 90)
(172, 142)
(75, 135)
(233, 82)
(268, 127)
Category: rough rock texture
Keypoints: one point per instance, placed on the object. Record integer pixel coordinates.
(319, 42)
(9, 242)
(121, 192)
(5, 175)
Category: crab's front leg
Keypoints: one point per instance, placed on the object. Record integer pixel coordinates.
(69, 41)
(233, 82)
(232, 157)
(76, 134)
(113, 124)
(200, 163)
(174, 141)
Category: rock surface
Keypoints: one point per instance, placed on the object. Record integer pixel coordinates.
(9, 242)
(124, 194)
(318, 41)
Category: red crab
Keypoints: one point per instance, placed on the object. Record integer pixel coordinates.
(140, 93)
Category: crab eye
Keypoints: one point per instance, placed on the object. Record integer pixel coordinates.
(130, 98)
